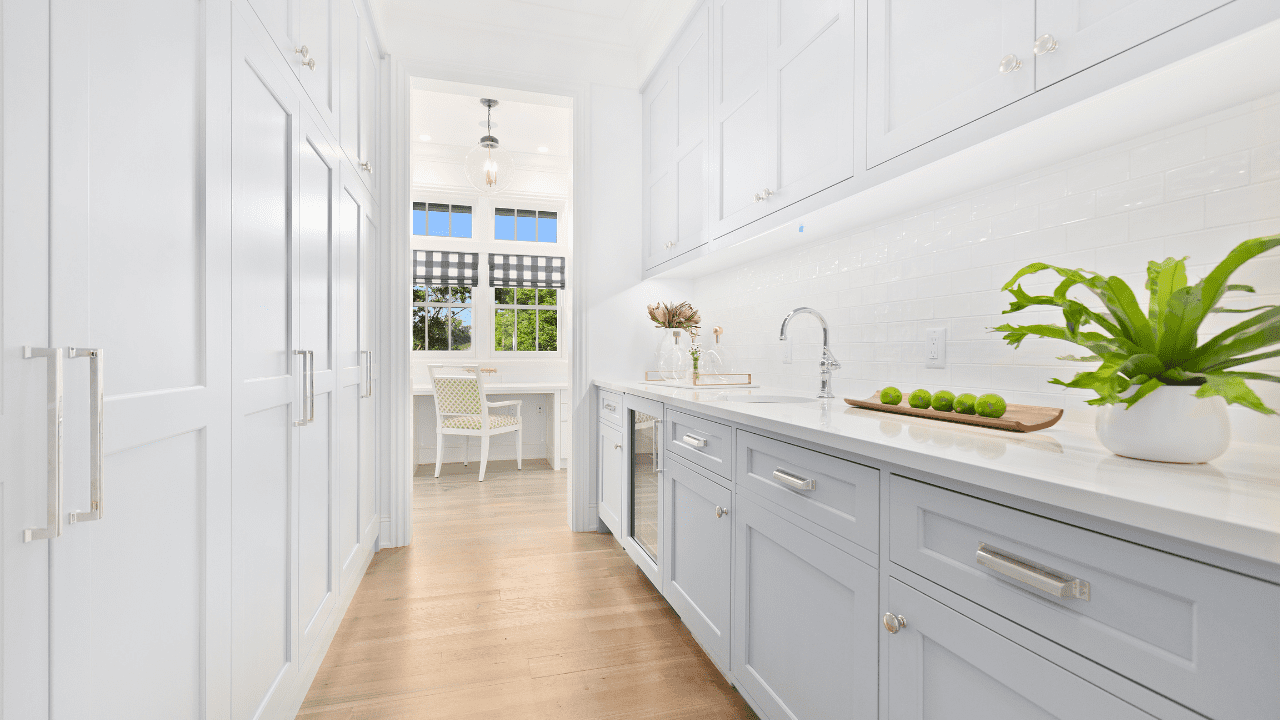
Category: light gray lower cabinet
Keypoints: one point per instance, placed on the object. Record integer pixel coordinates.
(696, 566)
(945, 665)
(610, 466)
(805, 621)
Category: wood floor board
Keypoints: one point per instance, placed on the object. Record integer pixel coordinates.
(498, 611)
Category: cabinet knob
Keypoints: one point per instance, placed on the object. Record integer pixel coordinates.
(303, 51)
(311, 63)
(894, 623)
(1009, 63)
(367, 166)
(617, 446)
(721, 512)
(1045, 44)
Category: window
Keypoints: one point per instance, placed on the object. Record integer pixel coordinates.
(442, 220)
(442, 317)
(525, 319)
(524, 225)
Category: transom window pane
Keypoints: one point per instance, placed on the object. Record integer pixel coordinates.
(525, 225)
(504, 224)
(442, 220)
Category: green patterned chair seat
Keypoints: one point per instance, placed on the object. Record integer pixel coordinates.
(472, 422)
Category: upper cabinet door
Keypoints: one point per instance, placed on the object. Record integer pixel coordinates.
(280, 18)
(1082, 33)
(359, 89)
(811, 72)
(744, 127)
(934, 67)
(318, 69)
(676, 105)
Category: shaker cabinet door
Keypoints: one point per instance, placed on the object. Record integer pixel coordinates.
(610, 467)
(804, 621)
(318, 69)
(942, 664)
(934, 67)
(1082, 33)
(744, 147)
(696, 569)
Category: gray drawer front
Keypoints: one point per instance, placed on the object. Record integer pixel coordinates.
(704, 443)
(1189, 631)
(610, 407)
(844, 497)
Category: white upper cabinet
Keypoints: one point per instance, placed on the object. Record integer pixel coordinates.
(318, 67)
(1072, 35)
(783, 78)
(933, 67)
(744, 138)
(812, 56)
(675, 119)
(359, 85)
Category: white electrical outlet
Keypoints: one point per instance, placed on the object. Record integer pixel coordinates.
(935, 348)
(786, 352)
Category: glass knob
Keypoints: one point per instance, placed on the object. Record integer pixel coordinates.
(1009, 63)
(1045, 44)
(894, 623)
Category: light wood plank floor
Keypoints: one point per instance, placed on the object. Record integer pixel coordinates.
(497, 610)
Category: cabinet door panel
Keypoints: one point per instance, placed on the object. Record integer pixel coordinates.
(743, 144)
(933, 67)
(278, 17)
(691, 181)
(610, 467)
(942, 664)
(804, 640)
(319, 34)
(745, 157)
(694, 94)
(663, 216)
(744, 50)
(1090, 31)
(814, 96)
(664, 122)
(696, 567)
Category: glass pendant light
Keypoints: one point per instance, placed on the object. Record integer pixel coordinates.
(489, 167)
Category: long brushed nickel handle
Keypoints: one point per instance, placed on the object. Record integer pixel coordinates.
(794, 481)
(306, 396)
(53, 519)
(96, 377)
(1032, 573)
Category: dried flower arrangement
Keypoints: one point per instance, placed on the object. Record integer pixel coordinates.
(681, 316)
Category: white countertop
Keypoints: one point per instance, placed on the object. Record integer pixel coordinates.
(502, 388)
(1232, 504)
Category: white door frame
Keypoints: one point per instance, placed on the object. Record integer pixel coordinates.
(582, 500)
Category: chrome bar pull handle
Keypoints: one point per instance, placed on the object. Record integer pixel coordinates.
(368, 373)
(611, 407)
(306, 397)
(53, 519)
(1032, 573)
(790, 480)
(694, 441)
(95, 433)
(311, 386)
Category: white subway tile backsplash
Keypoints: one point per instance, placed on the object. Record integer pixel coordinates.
(1196, 190)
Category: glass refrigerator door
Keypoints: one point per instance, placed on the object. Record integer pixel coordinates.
(646, 439)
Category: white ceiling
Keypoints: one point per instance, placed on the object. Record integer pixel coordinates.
(560, 33)
(521, 127)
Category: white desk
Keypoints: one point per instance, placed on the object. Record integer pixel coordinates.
(558, 390)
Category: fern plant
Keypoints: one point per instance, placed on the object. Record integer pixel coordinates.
(1161, 346)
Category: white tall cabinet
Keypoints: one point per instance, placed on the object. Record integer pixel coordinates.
(190, 253)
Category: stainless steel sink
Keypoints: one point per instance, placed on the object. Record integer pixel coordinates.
(770, 399)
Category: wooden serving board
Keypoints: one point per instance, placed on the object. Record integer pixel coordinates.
(1016, 418)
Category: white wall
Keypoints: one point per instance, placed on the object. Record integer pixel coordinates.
(1196, 189)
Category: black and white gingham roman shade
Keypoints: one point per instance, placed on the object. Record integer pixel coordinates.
(441, 267)
(526, 271)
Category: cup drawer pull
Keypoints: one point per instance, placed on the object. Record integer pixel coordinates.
(694, 441)
(790, 480)
(1032, 573)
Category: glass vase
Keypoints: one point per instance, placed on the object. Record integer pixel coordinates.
(672, 355)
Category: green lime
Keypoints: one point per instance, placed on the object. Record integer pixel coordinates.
(991, 405)
(891, 396)
(943, 400)
(966, 404)
(920, 399)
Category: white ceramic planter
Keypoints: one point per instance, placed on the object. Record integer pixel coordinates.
(1169, 425)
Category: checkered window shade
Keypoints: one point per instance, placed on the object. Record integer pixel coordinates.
(526, 271)
(436, 267)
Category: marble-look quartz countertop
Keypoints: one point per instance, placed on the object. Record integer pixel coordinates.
(1231, 504)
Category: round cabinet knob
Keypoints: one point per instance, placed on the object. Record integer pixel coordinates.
(894, 623)
(303, 51)
(721, 512)
(367, 166)
(758, 198)
(1045, 44)
(617, 446)
(311, 63)
(1009, 63)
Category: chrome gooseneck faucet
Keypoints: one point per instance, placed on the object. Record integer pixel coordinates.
(828, 361)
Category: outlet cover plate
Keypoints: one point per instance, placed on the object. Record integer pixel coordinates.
(935, 348)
